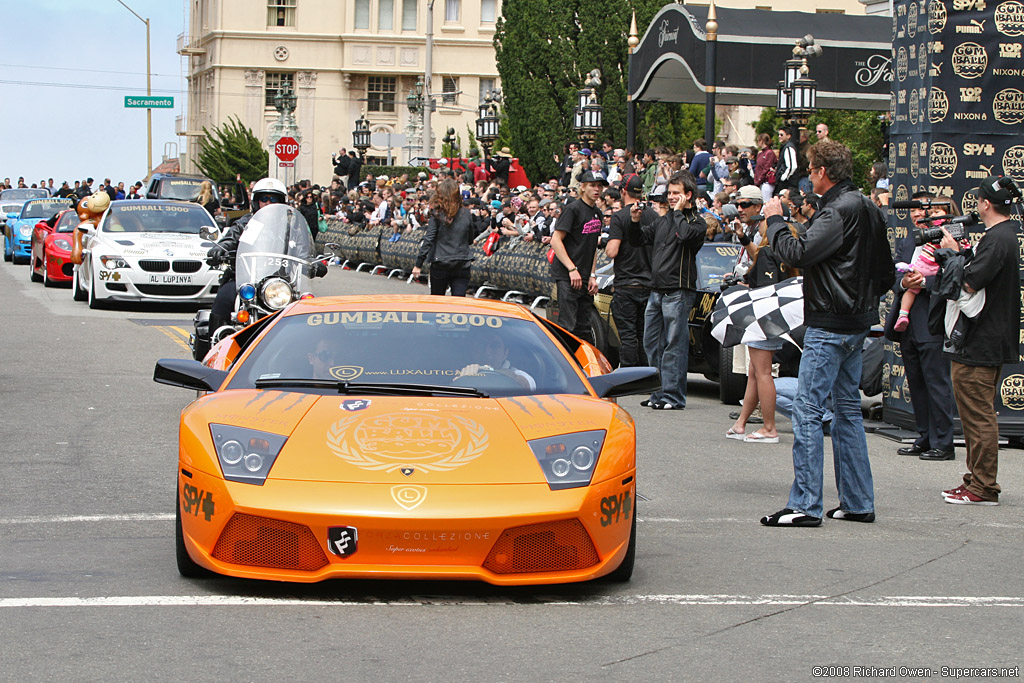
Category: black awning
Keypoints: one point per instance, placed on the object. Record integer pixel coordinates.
(853, 72)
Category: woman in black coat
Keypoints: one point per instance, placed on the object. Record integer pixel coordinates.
(450, 231)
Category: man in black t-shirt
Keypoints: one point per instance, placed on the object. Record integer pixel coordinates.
(991, 339)
(575, 243)
(632, 267)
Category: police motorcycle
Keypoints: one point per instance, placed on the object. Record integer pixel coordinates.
(274, 263)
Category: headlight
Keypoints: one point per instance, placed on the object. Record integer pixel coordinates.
(245, 455)
(113, 262)
(569, 460)
(276, 293)
(25, 231)
(62, 244)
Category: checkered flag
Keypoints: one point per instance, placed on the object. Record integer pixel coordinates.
(744, 315)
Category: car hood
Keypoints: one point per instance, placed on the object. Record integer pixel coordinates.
(429, 440)
(169, 245)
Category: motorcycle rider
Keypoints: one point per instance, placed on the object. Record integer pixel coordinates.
(265, 192)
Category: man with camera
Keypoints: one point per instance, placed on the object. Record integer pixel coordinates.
(927, 368)
(991, 339)
(632, 268)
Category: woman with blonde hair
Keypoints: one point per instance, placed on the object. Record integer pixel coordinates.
(446, 244)
(207, 199)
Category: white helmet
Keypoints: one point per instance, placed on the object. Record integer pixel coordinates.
(269, 186)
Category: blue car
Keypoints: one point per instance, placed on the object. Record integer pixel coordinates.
(18, 230)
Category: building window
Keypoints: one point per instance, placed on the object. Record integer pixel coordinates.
(408, 15)
(275, 82)
(363, 14)
(380, 93)
(280, 12)
(449, 90)
(487, 11)
(385, 15)
(451, 11)
(486, 86)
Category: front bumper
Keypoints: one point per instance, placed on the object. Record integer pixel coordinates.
(131, 285)
(501, 534)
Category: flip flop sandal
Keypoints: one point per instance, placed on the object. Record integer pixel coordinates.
(754, 437)
(732, 434)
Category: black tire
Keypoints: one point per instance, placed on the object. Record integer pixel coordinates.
(731, 385)
(8, 256)
(78, 293)
(624, 572)
(32, 274)
(94, 303)
(602, 337)
(47, 282)
(186, 565)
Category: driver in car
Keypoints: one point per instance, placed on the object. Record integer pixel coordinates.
(321, 359)
(490, 350)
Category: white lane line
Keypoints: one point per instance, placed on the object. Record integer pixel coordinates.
(600, 601)
(62, 519)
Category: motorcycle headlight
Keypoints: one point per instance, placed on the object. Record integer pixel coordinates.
(62, 244)
(276, 293)
(247, 292)
(569, 460)
(113, 262)
(246, 455)
(25, 231)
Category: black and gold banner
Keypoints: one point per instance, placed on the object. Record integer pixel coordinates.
(957, 107)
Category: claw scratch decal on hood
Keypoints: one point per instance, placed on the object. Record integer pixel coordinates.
(274, 397)
(559, 402)
(540, 404)
(519, 405)
(299, 398)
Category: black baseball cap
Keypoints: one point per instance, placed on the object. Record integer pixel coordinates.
(591, 177)
(633, 183)
(997, 189)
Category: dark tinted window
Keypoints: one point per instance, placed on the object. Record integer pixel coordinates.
(142, 216)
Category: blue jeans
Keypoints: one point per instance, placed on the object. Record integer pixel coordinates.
(785, 394)
(831, 362)
(667, 342)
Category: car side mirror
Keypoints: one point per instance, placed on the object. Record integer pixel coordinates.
(209, 233)
(11, 216)
(188, 374)
(626, 381)
(85, 228)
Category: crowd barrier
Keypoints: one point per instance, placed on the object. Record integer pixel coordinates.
(518, 270)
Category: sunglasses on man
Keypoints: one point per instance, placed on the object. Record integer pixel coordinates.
(746, 205)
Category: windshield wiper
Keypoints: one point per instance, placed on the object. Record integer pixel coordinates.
(383, 388)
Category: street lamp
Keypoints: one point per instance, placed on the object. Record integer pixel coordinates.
(452, 140)
(797, 94)
(149, 93)
(488, 121)
(587, 118)
(361, 135)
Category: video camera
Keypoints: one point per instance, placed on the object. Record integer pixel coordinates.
(956, 225)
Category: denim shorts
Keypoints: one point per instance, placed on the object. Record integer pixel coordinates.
(767, 345)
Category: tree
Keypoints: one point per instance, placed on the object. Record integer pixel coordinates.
(861, 131)
(232, 149)
(544, 49)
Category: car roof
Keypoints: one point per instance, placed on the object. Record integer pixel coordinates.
(409, 302)
(142, 202)
(182, 176)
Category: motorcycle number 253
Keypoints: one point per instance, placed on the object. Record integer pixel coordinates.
(276, 261)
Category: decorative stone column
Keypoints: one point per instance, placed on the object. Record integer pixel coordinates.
(254, 104)
(305, 165)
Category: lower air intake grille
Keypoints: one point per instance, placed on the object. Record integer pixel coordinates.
(169, 290)
(263, 542)
(547, 547)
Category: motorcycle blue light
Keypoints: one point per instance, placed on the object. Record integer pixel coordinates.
(247, 292)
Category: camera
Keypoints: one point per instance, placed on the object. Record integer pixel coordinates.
(642, 206)
(954, 224)
(729, 280)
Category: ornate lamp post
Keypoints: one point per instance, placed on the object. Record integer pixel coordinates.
(797, 93)
(452, 140)
(361, 136)
(488, 121)
(587, 119)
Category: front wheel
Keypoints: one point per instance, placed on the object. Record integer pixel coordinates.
(731, 385)
(94, 303)
(32, 274)
(186, 565)
(8, 255)
(624, 572)
(76, 285)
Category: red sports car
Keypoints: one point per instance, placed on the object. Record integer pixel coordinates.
(51, 248)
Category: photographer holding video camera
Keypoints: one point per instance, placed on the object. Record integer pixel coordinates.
(991, 338)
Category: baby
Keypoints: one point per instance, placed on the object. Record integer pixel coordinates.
(927, 266)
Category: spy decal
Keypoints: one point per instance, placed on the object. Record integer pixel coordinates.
(342, 540)
(616, 508)
(195, 500)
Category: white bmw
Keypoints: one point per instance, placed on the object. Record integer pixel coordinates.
(147, 250)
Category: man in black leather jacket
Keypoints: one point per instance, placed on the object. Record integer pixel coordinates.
(847, 267)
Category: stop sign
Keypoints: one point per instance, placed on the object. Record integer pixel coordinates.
(286, 149)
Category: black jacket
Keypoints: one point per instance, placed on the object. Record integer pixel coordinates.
(342, 165)
(845, 258)
(447, 241)
(355, 166)
(675, 239)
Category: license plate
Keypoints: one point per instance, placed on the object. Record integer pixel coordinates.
(171, 279)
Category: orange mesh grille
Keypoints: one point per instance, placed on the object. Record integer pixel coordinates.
(263, 542)
(547, 547)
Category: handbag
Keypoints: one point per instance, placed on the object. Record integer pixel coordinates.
(491, 244)
(769, 177)
(322, 224)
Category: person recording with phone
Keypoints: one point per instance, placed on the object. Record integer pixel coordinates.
(991, 338)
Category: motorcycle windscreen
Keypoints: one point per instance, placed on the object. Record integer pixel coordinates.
(275, 243)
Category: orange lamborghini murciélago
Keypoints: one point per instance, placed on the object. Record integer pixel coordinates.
(406, 437)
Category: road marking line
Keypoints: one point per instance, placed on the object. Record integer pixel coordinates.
(131, 517)
(176, 338)
(185, 334)
(440, 601)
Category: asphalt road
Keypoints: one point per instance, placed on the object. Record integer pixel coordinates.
(89, 589)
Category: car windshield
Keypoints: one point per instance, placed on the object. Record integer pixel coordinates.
(186, 189)
(44, 208)
(232, 196)
(714, 261)
(141, 216)
(497, 355)
(68, 222)
(23, 193)
(14, 207)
